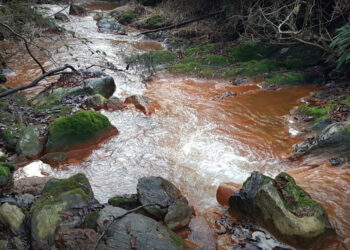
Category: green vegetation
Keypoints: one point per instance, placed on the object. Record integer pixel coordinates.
(346, 101)
(12, 134)
(123, 202)
(341, 45)
(8, 165)
(55, 187)
(155, 21)
(5, 176)
(288, 78)
(320, 113)
(127, 17)
(250, 51)
(67, 132)
(298, 199)
(196, 50)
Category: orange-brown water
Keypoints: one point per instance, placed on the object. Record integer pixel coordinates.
(193, 139)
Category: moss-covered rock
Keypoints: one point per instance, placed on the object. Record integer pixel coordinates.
(5, 176)
(8, 165)
(250, 51)
(55, 187)
(319, 113)
(54, 158)
(283, 206)
(12, 134)
(300, 56)
(124, 201)
(70, 131)
(91, 220)
(127, 17)
(31, 143)
(12, 217)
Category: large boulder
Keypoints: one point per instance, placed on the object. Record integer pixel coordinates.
(103, 86)
(12, 217)
(335, 136)
(283, 206)
(58, 206)
(111, 24)
(135, 231)
(71, 131)
(31, 143)
(173, 206)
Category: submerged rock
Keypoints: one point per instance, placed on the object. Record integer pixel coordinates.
(282, 205)
(76, 10)
(68, 132)
(111, 24)
(12, 217)
(135, 231)
(336, 137)
(173, 209)
(142, 103)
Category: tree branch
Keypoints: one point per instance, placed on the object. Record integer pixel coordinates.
(37, 80)
(25, 44)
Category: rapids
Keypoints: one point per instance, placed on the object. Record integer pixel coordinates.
(192, 140)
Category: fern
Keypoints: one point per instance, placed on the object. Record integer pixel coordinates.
(341, 44)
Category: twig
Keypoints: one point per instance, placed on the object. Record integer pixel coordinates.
(26, 45)
(37, 80)
(121, 216)
(61, 10)
(105, 67)
(181, 24)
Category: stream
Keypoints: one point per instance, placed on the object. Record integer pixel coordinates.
(193, 140)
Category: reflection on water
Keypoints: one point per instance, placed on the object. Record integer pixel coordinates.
(192, 140)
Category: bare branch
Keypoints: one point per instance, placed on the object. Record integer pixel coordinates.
(37, 80)
(26, 45)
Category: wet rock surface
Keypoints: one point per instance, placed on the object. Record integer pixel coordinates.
(111, 25)
(174, 208)
(282, 205)
(142, 103)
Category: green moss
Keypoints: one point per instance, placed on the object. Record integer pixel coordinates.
(196, 50)
(12, 134)
(19, 99)
(66, 132)
(301, 56)
(155, 21)
(253, 68)
(301, 199)
(124, 202)
(55, 187)
(8, 165)
(320, 113)
(193, 68)
(3, 104)
(5, 176)
(287, 78)
(7, 118)
(250, 51)
(91, 220)
(214, 60)
(127, 17)
(346, 101)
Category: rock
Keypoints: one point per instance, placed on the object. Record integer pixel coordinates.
(61, 17)
(201, 234)
(54, 158)
(11, 135)
(335, 137)
(135, 231)
(98, 16)
(104, 86)
(2, 78)
(71, 131)
(175, 209)
(5, 177)
(77, 238)
(25, 200)
(96, 102)
(111, 24)
(282, 205)
(114, 103)
(150, 2)
(31, 143)
(31, 185)
(225, 191)
(57, 207)
(142, 103)
(224, 95)
(76, 10)
(127, 201)
(35, 168)
(12, 217)
(106, 216)
(91, 220)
